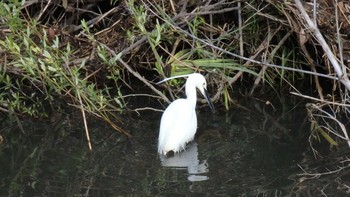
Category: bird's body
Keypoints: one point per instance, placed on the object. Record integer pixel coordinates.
(181, 131)
(179, 121)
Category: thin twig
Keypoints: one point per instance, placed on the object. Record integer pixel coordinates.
(240, 29)
(323, 173)
(84, 119)
(81, 106)
(43, 11)
(320, 100)
(148, 108)
(210, 12)
(137, 75)
(95, 20)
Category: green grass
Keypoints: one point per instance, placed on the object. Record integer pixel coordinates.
(39, 72)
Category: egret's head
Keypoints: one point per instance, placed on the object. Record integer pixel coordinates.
(201, 84)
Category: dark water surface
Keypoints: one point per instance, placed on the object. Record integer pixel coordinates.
(253, 150)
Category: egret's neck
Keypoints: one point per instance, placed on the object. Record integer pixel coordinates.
(191, 94)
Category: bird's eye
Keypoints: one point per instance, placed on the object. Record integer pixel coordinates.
(204, 84)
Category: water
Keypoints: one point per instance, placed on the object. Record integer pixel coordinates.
(252, 150)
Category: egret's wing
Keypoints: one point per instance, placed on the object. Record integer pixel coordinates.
(178, 126)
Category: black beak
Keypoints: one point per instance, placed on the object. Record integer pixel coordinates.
(206, 95)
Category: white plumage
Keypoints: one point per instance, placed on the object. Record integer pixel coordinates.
(178, 124)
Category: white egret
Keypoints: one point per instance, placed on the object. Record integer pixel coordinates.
(178, 124)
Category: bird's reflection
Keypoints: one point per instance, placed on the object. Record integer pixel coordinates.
(188, 159)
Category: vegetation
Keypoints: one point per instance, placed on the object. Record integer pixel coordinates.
(85, 55)
(65, 59)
